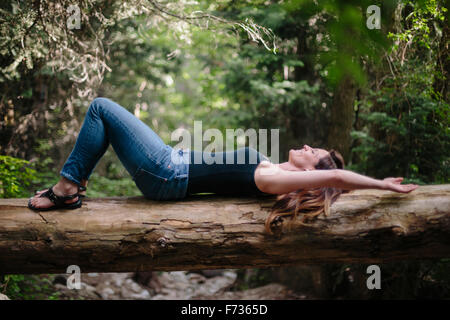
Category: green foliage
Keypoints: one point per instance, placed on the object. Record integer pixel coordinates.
(10, 284)
(419, 30)
(15, 176)
(406, 124)
(28, 287)
(100, 186)
(411, 137)
(170, 71)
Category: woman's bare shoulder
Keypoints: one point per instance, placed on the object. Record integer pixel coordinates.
(264, 170)
(265, 164)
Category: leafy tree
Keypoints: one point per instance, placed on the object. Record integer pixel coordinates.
(404, 121)
(15, 175)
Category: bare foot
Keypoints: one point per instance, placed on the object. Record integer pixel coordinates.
(63, 188)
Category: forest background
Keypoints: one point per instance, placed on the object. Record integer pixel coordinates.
(317, 70)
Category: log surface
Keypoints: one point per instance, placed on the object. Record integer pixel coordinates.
(215, 232)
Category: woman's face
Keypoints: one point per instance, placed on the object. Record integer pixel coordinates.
(307, 157)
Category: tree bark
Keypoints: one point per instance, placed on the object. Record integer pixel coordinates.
(216, 232)
(342, 117)
(441, 81)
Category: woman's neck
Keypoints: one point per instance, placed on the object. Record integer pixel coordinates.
(287, 166)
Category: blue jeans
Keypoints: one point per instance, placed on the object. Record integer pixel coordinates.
(159, 171)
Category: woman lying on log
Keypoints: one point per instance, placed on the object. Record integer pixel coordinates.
(309, 182)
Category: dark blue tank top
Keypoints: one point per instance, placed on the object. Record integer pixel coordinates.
(223, 177)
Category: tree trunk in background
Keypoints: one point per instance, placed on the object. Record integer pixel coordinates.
(304, 127)
(443, 63)
(341, 119)
(304, 54)
(213, 232)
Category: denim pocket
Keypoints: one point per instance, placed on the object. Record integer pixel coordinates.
(152, 186)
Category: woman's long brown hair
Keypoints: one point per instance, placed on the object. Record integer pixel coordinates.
(307, 203)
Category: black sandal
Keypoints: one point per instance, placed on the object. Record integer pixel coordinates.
(59, 201)
(80, 189)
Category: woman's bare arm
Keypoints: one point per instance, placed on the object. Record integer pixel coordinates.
(271, 179)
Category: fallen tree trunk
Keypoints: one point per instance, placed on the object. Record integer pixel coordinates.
(216, 232)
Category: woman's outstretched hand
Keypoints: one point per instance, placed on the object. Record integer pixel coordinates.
(394, 184)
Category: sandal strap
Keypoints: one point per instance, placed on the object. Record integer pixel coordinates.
(57, 200)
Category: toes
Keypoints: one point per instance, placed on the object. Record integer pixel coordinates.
(38, 203)
(32, 202)
(35, 202)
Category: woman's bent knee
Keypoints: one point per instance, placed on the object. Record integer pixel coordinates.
(100, 102)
